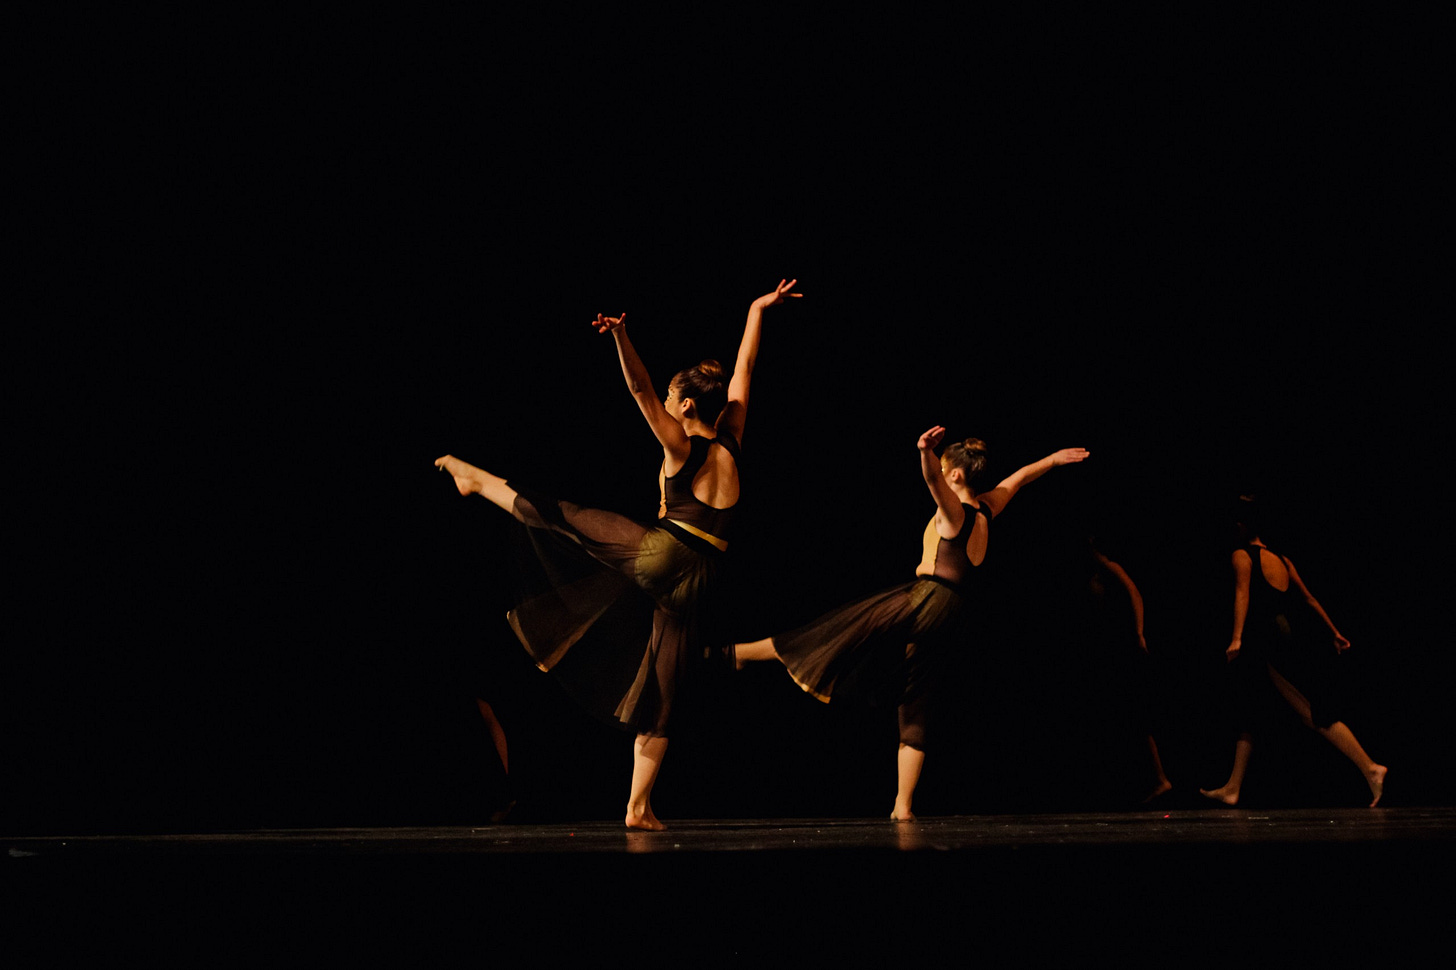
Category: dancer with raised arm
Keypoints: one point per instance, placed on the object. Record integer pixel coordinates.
(674, 560)
(1268, 597)
(887, 645)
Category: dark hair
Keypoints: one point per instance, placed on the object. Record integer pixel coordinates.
(1247, 514)
(703, 384)
(968, 455)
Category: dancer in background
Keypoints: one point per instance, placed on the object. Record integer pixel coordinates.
(887, 646)
(674, 560)
(1269, 598)
(1114, 616)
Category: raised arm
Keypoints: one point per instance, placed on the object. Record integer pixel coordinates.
(949, 516)
(1243, 567)
(998, 497)
(1341, 644)
(671, 435)
(735, 412)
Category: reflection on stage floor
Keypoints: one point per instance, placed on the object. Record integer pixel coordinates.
(1189, 885)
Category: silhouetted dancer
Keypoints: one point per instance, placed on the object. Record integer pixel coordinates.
(1118, 629)
(1269, 601)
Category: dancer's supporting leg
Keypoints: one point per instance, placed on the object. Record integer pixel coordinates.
(909, 763)
(1228, 792)
(469, 479)
(647, 755)
(1163, 785)
(647, 752)
(498, 739)
(1337, 734)
(497, 733)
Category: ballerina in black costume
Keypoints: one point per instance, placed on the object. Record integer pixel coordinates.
(1268, 595)
(886, 645)
(673, 561)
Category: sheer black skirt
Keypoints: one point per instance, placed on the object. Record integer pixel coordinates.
(886, 647)
(580, 608)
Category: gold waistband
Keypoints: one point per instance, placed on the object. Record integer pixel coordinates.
(721, 544)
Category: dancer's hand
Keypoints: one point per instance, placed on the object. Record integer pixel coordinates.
(1143, 643)
(605, 324)
(1341, 644)
(931, 439)
(1069, 455)
(777, 296)
(1232, 653)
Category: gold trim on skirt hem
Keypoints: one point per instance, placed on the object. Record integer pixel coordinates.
(809, 690)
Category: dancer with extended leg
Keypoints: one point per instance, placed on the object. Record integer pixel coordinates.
(886, 645)
(1265, 649)
(674, 561)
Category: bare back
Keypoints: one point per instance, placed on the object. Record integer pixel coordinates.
(1275, 573)
(700, 496)
(715, 483)
(975, 543)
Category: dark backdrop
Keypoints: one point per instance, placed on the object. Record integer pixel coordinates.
(279, 286)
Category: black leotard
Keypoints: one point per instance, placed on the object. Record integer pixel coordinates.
(1271, 645)
(684, 512)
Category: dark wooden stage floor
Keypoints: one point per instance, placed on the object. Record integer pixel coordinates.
(1153, 887)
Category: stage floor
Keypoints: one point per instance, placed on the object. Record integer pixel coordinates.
(1140, 887)
(962, 833)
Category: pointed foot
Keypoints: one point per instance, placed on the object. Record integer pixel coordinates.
(1376, 781)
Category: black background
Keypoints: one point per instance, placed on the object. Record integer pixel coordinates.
(273, 280)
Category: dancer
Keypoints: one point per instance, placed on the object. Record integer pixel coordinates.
(887, 644)
(673, 561)
(1265, 649)
(1118, 633)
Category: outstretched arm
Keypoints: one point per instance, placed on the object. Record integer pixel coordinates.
(735, 412)
(949, 516)
(671, 435)
(1243, 567)
(1341, 644)
(998, 497)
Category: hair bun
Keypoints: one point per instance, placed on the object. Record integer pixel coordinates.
(711, 369)
(974, 445)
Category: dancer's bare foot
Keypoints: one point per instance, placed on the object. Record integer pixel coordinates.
(1225, 795)
(1161, 788)
(1376, 780)
(467, 477)
(901, 814)
(643, 820)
